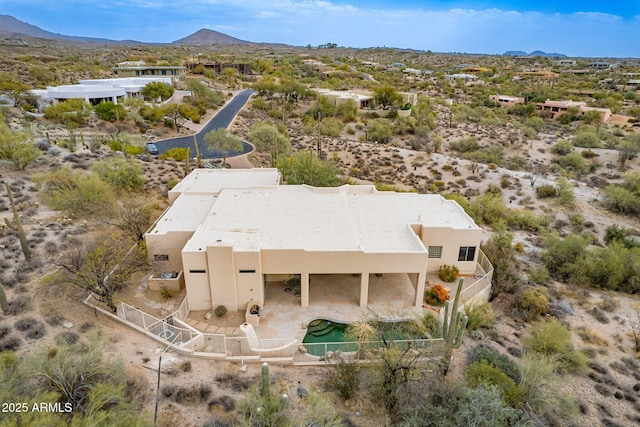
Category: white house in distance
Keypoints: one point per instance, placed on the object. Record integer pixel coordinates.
(96, 91)
(232, 232)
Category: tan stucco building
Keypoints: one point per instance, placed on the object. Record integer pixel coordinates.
(245, 232)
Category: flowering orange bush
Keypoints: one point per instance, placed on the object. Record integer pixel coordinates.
(437, 295)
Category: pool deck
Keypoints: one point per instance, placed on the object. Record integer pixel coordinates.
(332, 297)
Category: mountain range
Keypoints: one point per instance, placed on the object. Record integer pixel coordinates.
(13, 28)
(534, 53)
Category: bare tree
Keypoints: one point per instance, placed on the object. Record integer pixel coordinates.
(102, 266)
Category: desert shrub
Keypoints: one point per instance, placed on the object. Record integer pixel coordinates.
(67, 338)
(552, 338)
(618, 198)
(495, 359)
(562, 148)
(573, 163)
(344, 377)
(506, 271)
(226, 402)
(192, 395)
(166, 293)
(587, 140)
(77, 194)
(540, 391)
(538, 275)
(220, 310)
(436, 295)
(179, 154)
(534, 303)
(168, 390)
(448, 273)
(464, 145)
(430, 322)
(121, 173)
(480, 316)
(483, 373)
(589, 154)
(564, 258)
(440, 403)
(256, 410)
(545, 191)
(186, 366)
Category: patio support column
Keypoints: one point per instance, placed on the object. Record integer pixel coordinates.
(304, 289)
(422, 277)
(364, 289)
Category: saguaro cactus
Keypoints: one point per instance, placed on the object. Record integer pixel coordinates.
(4, 304)
(16, 225)
(266, 384)
(454, 322)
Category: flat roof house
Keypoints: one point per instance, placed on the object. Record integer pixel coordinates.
(557, 108)
(234, 240)
(506, 101)
(95, 91)
(141, 69)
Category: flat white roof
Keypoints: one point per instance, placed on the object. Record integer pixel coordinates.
(212, 181)
(185, 215)
(325, 219)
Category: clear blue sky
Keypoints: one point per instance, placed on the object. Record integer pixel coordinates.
(593, 28)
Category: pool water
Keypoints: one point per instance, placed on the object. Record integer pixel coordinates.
(321, 330)
(327, 331)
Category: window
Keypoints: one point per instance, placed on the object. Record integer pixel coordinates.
(435, 251)
(197, 271)
(247, 271)
(161, 257)
(467, 253)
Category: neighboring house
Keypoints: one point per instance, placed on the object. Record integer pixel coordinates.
(565, 62)
(142, 69)
(557, 108)
(466, 77)
(364, 99)
(97, 90)
(241, 68)
(232, 234)
(603, 65)
(506, 101)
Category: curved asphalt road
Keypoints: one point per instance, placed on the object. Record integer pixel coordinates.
(222, 119)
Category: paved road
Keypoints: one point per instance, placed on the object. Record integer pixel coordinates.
(222, 119)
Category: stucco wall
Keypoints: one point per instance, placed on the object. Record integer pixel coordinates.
(451, 240)
(170, 244)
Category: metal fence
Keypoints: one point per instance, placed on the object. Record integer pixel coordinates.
(329, 350)
(482, 283)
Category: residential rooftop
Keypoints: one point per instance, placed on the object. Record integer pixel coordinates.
(346, 218)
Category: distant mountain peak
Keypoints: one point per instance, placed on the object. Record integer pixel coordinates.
(534, 53)
(205, 36)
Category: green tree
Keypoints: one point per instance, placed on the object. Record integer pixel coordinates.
(16, 148)
(180, 113)
(268, 138)
(386, 96)
(265, 87)
(15, 89)
(223, 141)
(178, 153)
(102, 265)
(629, 148)
(77, 194)
(110, 111)
(72, 112)
(122, 173)
(564, 258)
(303, 167)
(157, 91)
(380, 131)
